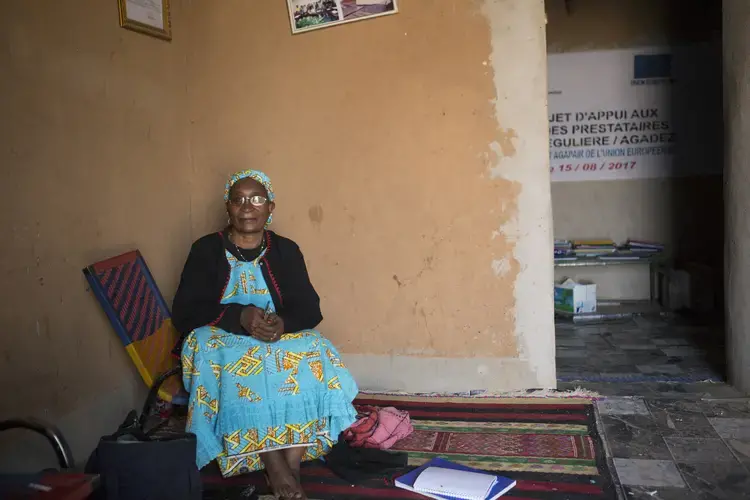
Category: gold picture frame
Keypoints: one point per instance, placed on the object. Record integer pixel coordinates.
(150, 17)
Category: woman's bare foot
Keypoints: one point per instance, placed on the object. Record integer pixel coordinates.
(293, 457)
(283, 482)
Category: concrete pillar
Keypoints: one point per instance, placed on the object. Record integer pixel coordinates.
(736, 40)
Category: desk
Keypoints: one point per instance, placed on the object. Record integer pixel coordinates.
(64, 486)
(656, 266)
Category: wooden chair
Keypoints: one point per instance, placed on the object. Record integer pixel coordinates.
(127, 292)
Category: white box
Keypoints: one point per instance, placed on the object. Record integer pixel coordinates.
(575, 297)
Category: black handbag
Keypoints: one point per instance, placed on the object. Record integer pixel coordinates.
(359, 465)
(134, 465)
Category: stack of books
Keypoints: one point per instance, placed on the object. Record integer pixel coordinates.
(643, 248)
(606, 249)
(563, 248)
(593, 248)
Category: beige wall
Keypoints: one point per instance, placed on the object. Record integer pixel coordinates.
(381, 138)
(409, 155)
(94, 152)
(737, 171)
(684, 213)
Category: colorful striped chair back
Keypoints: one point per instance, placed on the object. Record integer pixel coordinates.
(134, 305)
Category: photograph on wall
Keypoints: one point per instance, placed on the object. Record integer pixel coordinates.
(306, 15)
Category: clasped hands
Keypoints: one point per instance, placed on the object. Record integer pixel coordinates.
(258, 327)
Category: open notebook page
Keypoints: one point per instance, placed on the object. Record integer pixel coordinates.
(455, 483)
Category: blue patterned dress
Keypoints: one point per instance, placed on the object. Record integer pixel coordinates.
(248, 396)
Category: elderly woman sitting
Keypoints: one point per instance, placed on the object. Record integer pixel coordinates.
(266, 390)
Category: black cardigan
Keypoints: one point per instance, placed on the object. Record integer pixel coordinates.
(206, 274)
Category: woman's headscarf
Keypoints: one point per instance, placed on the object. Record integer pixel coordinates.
(257, 176)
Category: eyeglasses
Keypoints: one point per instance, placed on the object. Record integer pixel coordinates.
(255, 200)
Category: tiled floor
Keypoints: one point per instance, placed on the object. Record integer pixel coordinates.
(669, 435)
(679, 448)
(644, 349)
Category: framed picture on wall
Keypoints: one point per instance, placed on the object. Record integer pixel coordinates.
(307, 15)
(150, 17)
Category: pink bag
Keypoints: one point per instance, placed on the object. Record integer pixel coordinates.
(378, 428)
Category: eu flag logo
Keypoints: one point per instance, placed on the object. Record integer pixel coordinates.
(652, 66)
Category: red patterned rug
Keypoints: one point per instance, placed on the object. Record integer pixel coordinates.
(551, 447)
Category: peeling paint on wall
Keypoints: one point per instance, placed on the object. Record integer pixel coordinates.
(501, 267)
(520, 155)
(399, 254)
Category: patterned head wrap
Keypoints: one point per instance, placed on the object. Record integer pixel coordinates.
(257, 176)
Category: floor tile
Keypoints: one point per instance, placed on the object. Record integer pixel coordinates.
(614, 366)
(595, 340)
(732, 428)
(570, 373)
(564, 326)
(625, 326)
(570, 342)
(683, 351)
(676, 341)
(681, 390)
(741, 450)
(604, 351)
(653, 473)
(618, 340)
(571, 353)
(727, 409)
(647, 424)
(683, 424)
(605, 359)
(573, 364)
(580, 330)
(628, 374)
(634, 436)
(622, 406)
(699, 450)
(694, 365)
(649, 322)
(725, 481)
(674, 405)
(660, 493)
(649, 358)
(620, 374)
(717, 391)
(659, 369)
(572, 381)
(637, 347)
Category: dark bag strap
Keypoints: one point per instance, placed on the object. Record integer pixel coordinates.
(153, 393)
(130, 427)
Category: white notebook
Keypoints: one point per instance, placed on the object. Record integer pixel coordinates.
(454, 483)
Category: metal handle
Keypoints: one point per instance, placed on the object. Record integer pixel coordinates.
(52, 433)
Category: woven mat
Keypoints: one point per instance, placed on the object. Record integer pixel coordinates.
(551, 447)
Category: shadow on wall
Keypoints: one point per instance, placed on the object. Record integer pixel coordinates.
(698, 210)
